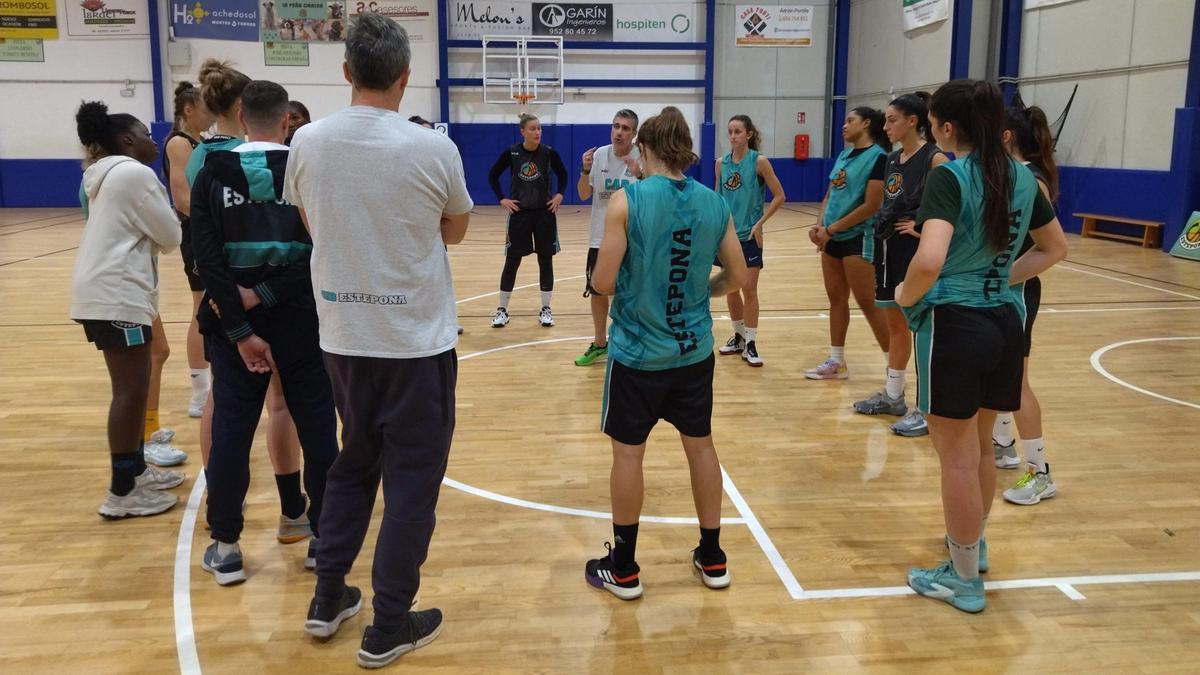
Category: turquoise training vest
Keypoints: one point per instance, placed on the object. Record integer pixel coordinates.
(660, 311)
(743, 191)
(848, 189)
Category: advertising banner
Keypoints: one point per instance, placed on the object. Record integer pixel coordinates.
(920, 13)
(773, 25)
(216, 19)
(107, 18)
(303, 21)
(471, 20)
(29, 19)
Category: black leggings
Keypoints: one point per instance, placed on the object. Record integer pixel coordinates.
(545, 272)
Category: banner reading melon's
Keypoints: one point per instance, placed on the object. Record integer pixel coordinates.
(1188, 245)
(28, 19)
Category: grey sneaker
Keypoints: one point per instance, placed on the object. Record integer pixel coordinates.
(419, 629)
(292, 530)
(228, 569)
(1006, 455)
(882, 404)
(163, 435)
(500, 318)
(1033, 487)
(912, 425)
(141, 501)
(162, 454)
(154, 478)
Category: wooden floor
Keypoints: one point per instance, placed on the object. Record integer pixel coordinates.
(847, 505)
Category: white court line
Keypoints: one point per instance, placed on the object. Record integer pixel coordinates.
(1048, 310)
(1063, 266)
(1065, 584)
(185, 634)
(1095, 359)
(517, 288)
(760, 536)
(537, 506)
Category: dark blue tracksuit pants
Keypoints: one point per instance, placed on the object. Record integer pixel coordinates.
(238, 397)
(397, 424)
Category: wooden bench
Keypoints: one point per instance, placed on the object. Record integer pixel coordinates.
(1151, 230)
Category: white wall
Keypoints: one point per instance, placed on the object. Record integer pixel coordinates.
(885, 60)
(1119, 119)
(771, 85)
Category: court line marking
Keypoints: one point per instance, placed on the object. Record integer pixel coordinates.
(1064, 584)
(185, 633)
(1047, 310)
(1125, 281)
(762, 538)
(1099, 368)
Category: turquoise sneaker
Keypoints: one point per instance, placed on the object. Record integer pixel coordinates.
(983, 558)
(943, 583)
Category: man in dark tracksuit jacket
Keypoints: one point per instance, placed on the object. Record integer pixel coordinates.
(252, 251)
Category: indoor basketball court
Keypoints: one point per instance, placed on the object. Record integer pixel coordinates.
(823, 509)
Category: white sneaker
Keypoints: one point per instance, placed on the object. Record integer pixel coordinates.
(1033, 487)
(1005, 455)
(500, 318)
(546, 318)
(154, 478)
(196, 405)
(163, 435)
(141, 501)
(162, 454)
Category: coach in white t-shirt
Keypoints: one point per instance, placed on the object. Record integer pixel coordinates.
(381, 197)
(605, 170)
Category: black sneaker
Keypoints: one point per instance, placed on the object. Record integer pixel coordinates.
(735, 345)
(714, 573)
(325, 615)
(603, 574)
(419, 629)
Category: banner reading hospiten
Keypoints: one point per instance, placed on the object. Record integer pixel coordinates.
(28, 19)
(578, 21)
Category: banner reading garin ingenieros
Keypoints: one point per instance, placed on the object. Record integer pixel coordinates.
(773, 25)
(616, 22)
(216, 19)
(29, 19)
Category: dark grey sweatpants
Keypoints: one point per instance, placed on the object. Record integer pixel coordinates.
(397, 424)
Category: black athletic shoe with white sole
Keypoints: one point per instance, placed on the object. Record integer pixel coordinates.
(380, 648)
(622, 582)
(714, 573)
(325, 615)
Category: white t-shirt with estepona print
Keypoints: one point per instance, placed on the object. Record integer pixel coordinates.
(374, 187)
(609, 174)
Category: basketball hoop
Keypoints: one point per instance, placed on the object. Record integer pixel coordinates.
(524, 98)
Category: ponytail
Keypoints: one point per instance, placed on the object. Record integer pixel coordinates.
(1031, 133)
(100, 132)
(221, 85)
(753, 137)
(976, 109)
(915, 105)
(667, 136)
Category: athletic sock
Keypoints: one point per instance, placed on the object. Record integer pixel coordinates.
(838, 353)
(124, 473)
(895, 383)
(291, 500)
(200, 382)
(224, 549)
(546, 298)
(965, 559)
(505, 296)
(750, 334)
(140, 456)
(151, 425)
(710, 543)
(1035, 453)
(1002, 431)
(739, 327)
(625, 537)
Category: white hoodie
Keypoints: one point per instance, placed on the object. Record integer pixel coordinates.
(130, 221)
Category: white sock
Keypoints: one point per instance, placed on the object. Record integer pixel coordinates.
(895, 383)
(739, 327)
(965, 559)
(838, 353)
(1002, 431)
(224, 549)
(1035, 453)
(546, 298)
(200, 382)
(750, 334)
(505, 296)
